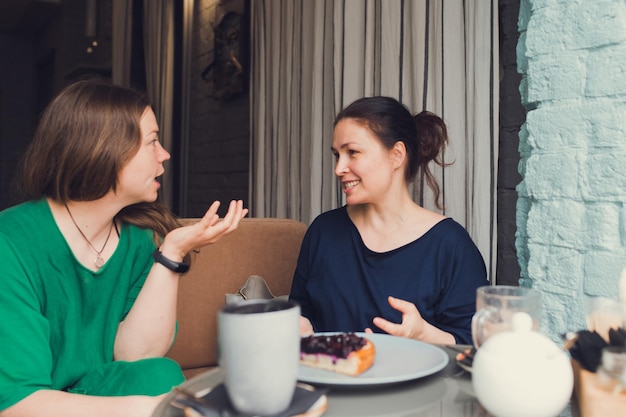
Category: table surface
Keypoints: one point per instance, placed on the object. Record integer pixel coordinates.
(448, 393)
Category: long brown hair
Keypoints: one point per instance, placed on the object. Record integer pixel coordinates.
(85, 136)
(424, 135)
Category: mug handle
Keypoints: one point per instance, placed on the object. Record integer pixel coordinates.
(479, 320)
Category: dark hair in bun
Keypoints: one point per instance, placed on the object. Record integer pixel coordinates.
(424, 135)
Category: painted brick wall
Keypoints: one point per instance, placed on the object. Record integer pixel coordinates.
(571, 215)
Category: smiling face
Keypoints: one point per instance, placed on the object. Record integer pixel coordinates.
(365, 168)
(137, 180)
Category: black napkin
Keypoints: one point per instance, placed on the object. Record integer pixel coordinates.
(617, 337)
(587, 349)
(303, 399)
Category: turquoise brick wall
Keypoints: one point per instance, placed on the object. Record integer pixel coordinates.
(571, 209)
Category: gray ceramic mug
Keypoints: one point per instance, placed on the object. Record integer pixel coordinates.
(259, 352)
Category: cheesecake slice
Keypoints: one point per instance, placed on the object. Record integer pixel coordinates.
(344, 353)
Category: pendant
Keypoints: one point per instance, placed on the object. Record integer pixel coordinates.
(98, 262)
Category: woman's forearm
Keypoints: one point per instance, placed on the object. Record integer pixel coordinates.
(51, 403)
(150, 326)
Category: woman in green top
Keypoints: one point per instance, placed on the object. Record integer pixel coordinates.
(91, 262)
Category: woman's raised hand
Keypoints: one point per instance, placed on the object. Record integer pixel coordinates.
(208, 230)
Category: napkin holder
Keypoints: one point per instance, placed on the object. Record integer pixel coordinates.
(593, 399)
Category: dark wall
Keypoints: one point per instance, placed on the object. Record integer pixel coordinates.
(28, 74)
(512, 116)
(219, 130)
(43, 52)
(18, 100)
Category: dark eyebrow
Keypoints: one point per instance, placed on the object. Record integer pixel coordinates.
(345, 145)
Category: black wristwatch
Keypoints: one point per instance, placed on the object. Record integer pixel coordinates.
(179, 267)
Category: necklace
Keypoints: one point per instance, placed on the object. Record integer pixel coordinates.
(98, 262)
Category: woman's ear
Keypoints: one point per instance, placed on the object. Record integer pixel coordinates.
(398, 154)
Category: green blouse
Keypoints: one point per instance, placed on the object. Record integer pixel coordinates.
(58, 319)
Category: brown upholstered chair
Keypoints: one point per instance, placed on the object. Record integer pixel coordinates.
(267, 247)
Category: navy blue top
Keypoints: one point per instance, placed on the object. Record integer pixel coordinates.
(342, 285)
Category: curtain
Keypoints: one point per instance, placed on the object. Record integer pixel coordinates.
(158, 33)
(158, 26)
(121, 42)
(311, 58)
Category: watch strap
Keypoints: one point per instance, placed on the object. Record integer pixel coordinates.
(179, 267)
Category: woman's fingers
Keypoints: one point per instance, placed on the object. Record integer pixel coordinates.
(412, 321)
(230, 222)
(235, 213)
(402, 306)
(388, 327)
(306, 328)
(210, 217)
(208, 230)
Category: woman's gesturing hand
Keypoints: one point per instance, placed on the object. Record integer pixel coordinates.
(413, 325)
(208, 230)
(412, 322)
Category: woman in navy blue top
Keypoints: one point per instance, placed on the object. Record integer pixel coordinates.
(383, 263)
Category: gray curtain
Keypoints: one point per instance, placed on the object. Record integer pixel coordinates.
(310, 58)
(159, 55)
(121, 42)
(158, 24)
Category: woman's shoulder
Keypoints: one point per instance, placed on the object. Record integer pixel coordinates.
(25, 208)
(25, 216)
(332, 217)
(328, 224)
(449, 233)
(134, 234)
(447, 226)
(452, 236)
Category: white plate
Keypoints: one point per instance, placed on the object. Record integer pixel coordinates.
(397, 359)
